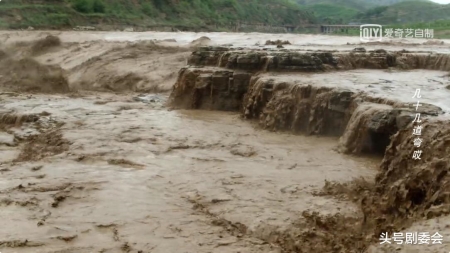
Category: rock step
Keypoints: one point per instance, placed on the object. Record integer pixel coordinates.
(315, 61)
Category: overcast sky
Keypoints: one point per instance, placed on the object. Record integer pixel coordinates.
(442, 1)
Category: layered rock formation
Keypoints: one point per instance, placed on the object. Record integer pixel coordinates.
(210, 88)
(291, 60)
(260, 85)
(232, 80)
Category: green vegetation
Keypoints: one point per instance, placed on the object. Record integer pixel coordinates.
(89, 6)
(406, 12)
(375, 11)
(188, 13)
(414, 14)
(352, 4)
(360, 5)
(33, 15)
(3, 24)
(220, 15)
(332, 14)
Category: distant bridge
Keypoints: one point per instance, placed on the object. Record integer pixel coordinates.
(239, 26)
(335, 28)
(322, 28)
(326, 28)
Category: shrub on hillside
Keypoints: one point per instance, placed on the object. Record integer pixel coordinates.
(89, 6)
(98, 6)
(82, 6)
(148, 9)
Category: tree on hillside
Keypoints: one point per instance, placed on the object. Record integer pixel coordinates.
(159, 3)
(149, 10)
(82, 6)
(89, 6)
(98, 6)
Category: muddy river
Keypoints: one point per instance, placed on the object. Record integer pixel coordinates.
(134, 172)
(116, 170)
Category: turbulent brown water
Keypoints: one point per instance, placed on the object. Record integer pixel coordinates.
(89, 165)
(133, 173)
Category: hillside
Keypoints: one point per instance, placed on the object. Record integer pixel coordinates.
(332, 13)
(344, 11)
(406, 12)
(209, 14)
(355, 4)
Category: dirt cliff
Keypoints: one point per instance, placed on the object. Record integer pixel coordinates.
(416, 188)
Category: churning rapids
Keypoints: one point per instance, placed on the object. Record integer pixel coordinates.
(216, 142)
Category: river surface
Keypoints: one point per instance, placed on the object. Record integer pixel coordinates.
(109, 172)
(134, 171)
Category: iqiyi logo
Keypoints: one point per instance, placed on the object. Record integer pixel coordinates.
(370, 33)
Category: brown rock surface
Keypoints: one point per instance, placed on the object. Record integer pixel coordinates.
(295, 60)
(364, 121)
(210, 88)
(405, 190)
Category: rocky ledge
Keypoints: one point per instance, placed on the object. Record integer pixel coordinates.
(304, 61)
(267, 86)
(276, 89)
